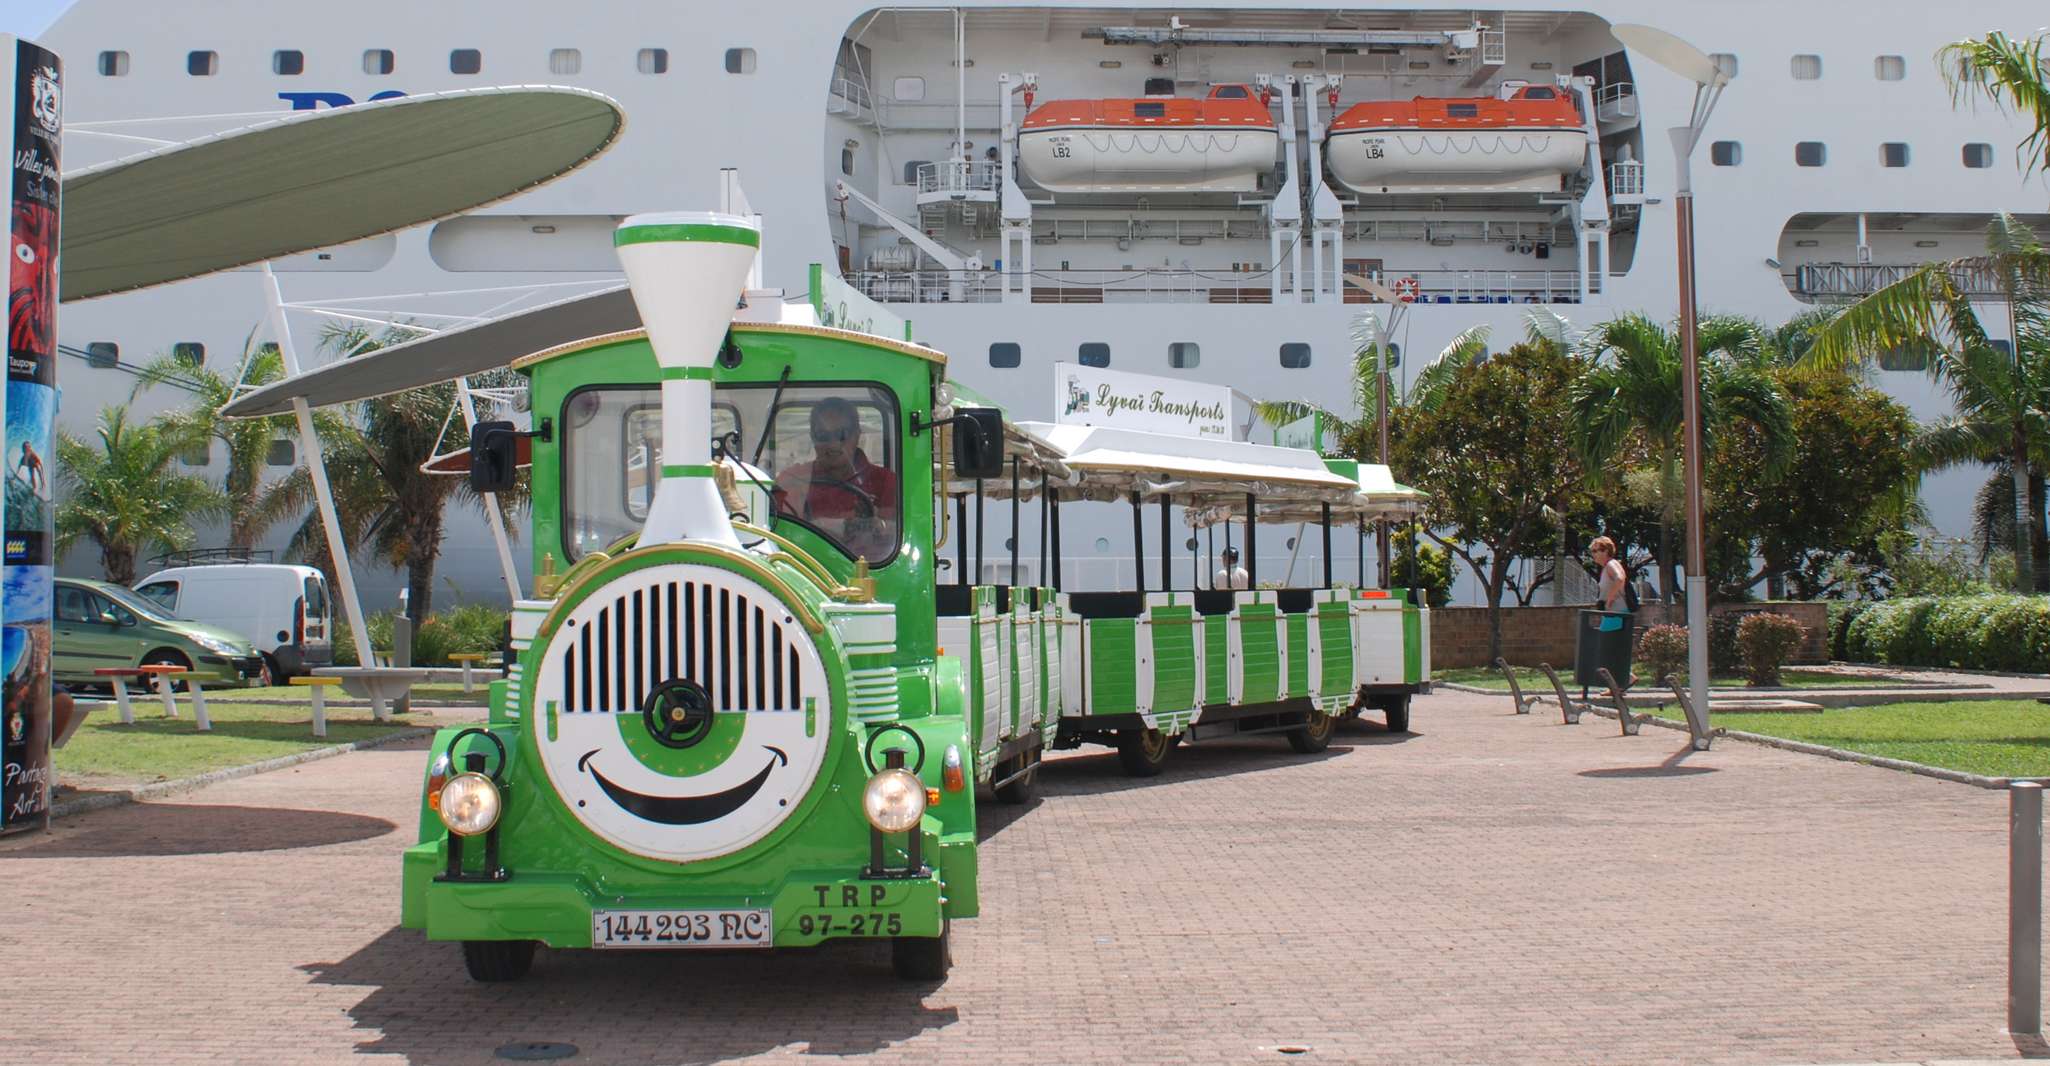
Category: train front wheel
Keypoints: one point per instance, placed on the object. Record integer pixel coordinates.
(923, 958)
(498, 960)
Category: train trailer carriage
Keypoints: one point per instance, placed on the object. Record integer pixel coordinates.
(744, 709)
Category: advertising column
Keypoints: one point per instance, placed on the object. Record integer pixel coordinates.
(31, 98)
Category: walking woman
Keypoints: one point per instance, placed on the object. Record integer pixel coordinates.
(1615, 586)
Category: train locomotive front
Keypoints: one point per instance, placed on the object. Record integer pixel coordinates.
(701, 744)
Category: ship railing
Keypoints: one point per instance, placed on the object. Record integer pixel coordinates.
(1852, 280)
(1616, 101)
(959, 177)
(854, 95)
(1626, 179)
(1186, 286)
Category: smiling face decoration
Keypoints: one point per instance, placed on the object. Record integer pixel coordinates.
(681, 712)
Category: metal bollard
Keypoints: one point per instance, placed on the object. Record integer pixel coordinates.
(2024, 907)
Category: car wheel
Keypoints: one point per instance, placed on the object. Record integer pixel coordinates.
(272, 674)
(168, 657)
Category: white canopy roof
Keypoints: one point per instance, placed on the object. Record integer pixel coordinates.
(314, 179)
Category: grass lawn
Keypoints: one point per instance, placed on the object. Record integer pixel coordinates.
(106, 753)
(1997, 738)
(1527, 676)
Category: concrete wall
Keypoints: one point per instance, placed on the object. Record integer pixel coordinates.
(1531, 635)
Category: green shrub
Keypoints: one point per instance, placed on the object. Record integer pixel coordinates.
(1841, 614)
(472, 627)
(1723, 654)
(1418, 565)
(1664, 650)
(1767, 641)
(1983, 632)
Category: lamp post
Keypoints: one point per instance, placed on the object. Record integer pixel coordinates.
(1689, 62)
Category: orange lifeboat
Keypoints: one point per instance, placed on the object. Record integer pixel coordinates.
(1529, 139)
(1221, 143)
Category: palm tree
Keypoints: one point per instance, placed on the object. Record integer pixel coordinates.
(1632, 390)
(254, 505)
(383, 498)
(2009, 73)
(2001, 391)
(124, 493)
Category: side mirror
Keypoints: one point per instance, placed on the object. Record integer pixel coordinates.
(494, 456)
(979, 442)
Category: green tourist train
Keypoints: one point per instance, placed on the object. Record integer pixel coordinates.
(762, 676)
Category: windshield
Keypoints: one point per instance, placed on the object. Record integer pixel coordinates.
(831, 450)
(138, 603)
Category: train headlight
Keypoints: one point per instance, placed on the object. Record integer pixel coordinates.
(894, 800)
(469, 804)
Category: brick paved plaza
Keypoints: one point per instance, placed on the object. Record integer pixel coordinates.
(1492, 889)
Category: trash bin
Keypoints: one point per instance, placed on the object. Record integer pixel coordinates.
(1602, 640)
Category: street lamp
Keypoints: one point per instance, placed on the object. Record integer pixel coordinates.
(1691, 63)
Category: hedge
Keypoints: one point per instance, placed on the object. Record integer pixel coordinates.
(1994, 632)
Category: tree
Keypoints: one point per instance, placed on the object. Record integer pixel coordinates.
(386, 502)
(1495, 455)
(1359, 436)
(254, 505)
(124, 494)
(1632, 391)
(2001, 391)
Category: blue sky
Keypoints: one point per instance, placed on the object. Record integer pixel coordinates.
(27, 18)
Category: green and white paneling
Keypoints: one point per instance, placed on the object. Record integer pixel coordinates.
(1013, 666)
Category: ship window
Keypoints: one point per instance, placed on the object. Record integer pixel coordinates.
(114, 64)
(281, 453)
(652, 61)
(379, 61)
(1807, 67)
(1810, 154)
(847, 161)
(1463, 110)
(2002, 345)
(202, 64)
(1725, 62)
(1893, 154)
(1726, 154)
(189, 353)
(1153, 109)
(1230, 92)
(103, 355)
(288, 62)
(1889, 68)
(911, 170)
(909, 90)
(1978, 156)
(1539, 93)
(1093, 353)
(1004, 355)
(740, 61)
(1906, 356)
(1295, 356)
(1184, 355)
(465, 61)
(199, 454)
(565, 61)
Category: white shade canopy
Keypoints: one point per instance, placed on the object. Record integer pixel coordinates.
(1669, 52)
(314, 179)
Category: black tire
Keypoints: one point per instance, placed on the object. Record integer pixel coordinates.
(1397, 710)
(1315, 735)
(923, 958)
(168, 657)
(498, 960)
(1021, 789)
(1143, 751)
(272, 674)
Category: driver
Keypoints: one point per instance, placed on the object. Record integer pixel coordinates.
(840, 492)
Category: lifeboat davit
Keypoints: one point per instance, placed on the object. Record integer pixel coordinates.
(1527, 140)
(1221, 143)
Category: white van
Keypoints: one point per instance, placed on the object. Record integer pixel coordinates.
(283, 610)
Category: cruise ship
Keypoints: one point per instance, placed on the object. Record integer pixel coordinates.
(1187, 191)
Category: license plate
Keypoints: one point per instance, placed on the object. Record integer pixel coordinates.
(682, 929)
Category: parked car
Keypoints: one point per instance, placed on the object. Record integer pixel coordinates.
(95, 624)
(282, 609)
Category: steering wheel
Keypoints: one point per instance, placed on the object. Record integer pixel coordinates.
(863, 500)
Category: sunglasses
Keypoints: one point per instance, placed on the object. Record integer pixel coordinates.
(831, 436)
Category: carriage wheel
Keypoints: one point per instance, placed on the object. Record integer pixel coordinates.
(1143, 751)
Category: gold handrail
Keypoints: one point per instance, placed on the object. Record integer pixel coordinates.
(797, 557)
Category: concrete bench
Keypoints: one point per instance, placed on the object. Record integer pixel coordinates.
(165, 675)
(381, 685)
(319, 685)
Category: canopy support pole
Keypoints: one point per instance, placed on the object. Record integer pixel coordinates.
(1016, 503)
(1044, 492)
(1138, 545)
(1363, 556)
(1210, 553)
(961, 541)
(492, 516)
(1055, 518)
(316, 468)
(1252, 543)
(979, 509)
(1166, 557)
(1325, 509)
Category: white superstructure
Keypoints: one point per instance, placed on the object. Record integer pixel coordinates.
(1834, 160)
